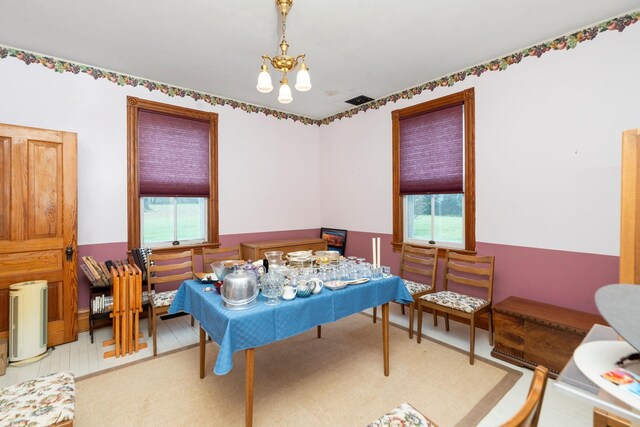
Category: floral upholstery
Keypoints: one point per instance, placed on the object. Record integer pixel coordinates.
(39, 402)
(454, 300)
(163, 299)
(416, 287)
(404, 415)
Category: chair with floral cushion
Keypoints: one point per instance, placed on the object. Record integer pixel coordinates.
(44, 401)
(464, 271)
(419, 263)
(403, 415)
(173, 267)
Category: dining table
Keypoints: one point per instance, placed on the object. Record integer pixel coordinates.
(262, 324)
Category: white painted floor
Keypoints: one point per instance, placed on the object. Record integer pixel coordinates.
(82, 357)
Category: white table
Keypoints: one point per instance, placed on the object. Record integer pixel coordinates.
(574, 382)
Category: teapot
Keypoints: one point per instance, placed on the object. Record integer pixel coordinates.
(251, 268)
(289, 293)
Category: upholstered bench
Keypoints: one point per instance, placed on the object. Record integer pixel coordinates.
(403, 415)
(44, 401)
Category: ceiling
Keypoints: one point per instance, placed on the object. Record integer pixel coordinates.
(353, 47)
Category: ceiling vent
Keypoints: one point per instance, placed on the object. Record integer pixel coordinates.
(359, 100)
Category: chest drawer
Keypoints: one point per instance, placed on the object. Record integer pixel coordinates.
(529, 333)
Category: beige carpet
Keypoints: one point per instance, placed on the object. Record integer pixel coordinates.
(303, 381)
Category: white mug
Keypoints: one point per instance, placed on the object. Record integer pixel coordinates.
(289, 293)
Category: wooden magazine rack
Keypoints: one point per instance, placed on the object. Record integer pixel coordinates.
(127, 306)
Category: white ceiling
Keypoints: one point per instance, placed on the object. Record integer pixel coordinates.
(353, 47)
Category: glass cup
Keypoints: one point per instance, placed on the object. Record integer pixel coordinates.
(376, 273)
(386, 271)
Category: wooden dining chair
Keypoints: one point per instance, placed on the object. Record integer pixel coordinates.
(529, 413)
(172, 267)
(417, 263)
(210, 255)
(464, 271)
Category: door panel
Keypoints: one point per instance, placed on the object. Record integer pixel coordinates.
(45, 189)
(4, 308)
(5, 188)
(38, 187)
(30, 262)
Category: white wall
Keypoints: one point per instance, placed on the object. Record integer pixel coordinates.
(547, 151)
(548, 135)
(268, 168)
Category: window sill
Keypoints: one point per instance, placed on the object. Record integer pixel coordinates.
(180, 248)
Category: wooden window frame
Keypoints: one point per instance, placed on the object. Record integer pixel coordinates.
(465, 98)
(133, 198)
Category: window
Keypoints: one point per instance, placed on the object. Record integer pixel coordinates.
(172, 183)
(433, 171)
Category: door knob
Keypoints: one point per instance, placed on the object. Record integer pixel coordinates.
(69, 252)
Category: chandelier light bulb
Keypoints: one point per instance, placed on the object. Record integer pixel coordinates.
(284, 97)
(303, 80)
(264, 80)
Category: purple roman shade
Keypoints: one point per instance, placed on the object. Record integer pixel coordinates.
(431, 152)
(173, 156)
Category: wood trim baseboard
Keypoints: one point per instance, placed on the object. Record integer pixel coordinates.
(83, 320)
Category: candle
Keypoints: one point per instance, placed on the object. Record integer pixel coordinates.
(378, 252)
(373, 245)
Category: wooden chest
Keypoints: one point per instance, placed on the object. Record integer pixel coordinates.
(530, 333)
(256, 250)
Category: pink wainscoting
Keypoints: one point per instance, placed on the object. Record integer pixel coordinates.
(566, 279)
(114, 251)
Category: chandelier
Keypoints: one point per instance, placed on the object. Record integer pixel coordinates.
(284, 63)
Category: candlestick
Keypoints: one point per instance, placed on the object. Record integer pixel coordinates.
(373, 245)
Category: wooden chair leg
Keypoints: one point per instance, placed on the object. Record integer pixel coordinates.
(149, 320)
(154, 328)
(412, 308)
(490, 314)
(446, 322)
(375, 314)
(192, 321)
(435, 317)
(419, 333)
(472, 323)
(402, 309)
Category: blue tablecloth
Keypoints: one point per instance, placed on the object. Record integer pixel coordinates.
(264, 324)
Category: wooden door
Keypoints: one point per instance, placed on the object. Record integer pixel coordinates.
(38, 222)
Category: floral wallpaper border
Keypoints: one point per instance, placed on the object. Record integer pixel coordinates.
(565, 42)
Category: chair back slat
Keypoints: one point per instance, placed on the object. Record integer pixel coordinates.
(168, 256)
(472, 269)
(210, 255)
(529, 413)
(173, 278)
(419, 261)
(169, 267)
(477, 271)
(408, 258)
(415, 270)
(468, 281)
